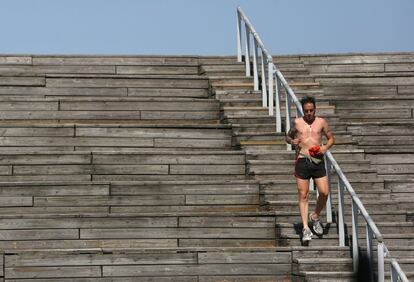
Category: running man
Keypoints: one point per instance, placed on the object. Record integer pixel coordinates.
(306, 136)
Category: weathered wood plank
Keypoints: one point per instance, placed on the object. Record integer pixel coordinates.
(15, 60)
(67, 131)
(191, 143)
(6, 170)
(56, 69)
(198, 189)
(207, 169)
(105, 201)
(153, 169)
(50, 91)
(115, 279)
(225, 222)
(70, 115)
(39, 259)
(16, 201)
(44, 159)
(88, 244)
(222, 199)
(161, 177)
(138, 106)
(52, 169)
(78, 141)
(169, 233)
(166, 92)
(226, 243)
(399, 67)
(167, 159)
(22, 81)
(50, 177)
(54, 190)
(121, 82)
(347, 68)
(244, 257)
(152, 132)
(116, 60)
(88, 222)
(368, 81)
(29, 106)
(157, 70)
(53, 272)
(405, 89)
(200, 115)
(191, 208)
(247, 278)
(43, 234)
(53, 210)
(211, 269)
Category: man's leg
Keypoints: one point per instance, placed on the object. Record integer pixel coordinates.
(303, 195)
(323, 190)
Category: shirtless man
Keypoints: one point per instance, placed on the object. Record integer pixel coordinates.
(306, 134)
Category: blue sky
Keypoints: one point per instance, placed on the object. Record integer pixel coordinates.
(203, 27)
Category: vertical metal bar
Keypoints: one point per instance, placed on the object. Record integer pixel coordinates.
(369, 252)
(239, 38)
(255, 66)
(270, 93)
(341, 216)
(287, 120)
(264, 86)
(277, 105)
(381, 268)
(247, 41)
(312, 187)
(394, 272)
(355, 235)
(328, 166)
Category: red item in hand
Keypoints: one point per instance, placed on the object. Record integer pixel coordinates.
(314, 151)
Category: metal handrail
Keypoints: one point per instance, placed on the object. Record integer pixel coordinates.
(268, 91)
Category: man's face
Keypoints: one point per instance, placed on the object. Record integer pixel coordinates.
(309, 111)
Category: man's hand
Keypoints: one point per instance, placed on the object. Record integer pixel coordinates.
(295, 141)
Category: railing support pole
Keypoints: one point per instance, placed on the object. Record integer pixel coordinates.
(264, 86)
(239, 38)
(270, 93)
(287, 119)
(341, 216)
(255, 66)
(369, 252)
(380, 254)
(277, 105)
(355, 234)
(247, 58)
(328, 166)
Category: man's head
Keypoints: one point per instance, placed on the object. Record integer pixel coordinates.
(309, 108)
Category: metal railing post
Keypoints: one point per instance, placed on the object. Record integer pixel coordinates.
(247, 56)
(381, 268)
(355, 235)
(270, 92)
(239, 38)
(369, 252)
(277, 105)
(264, 86)
(255, 66)
(328, 167)
(287, 119)
(341, 216)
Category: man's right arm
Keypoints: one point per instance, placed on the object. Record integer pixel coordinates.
(291, 136)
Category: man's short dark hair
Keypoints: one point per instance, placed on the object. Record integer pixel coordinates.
(308, 99)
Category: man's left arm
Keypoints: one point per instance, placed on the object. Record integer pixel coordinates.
(329, 136)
